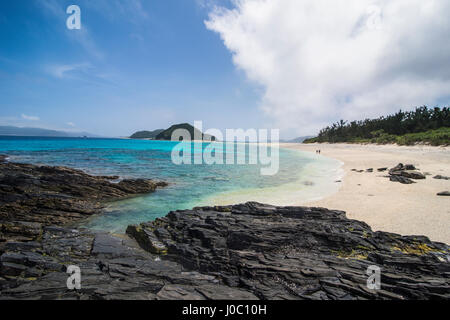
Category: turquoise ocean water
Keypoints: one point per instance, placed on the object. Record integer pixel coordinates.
(301, 176)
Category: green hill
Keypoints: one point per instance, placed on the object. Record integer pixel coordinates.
(146, 134)
(167, 134)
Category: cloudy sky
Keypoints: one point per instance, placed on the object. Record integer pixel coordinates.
(296, 65)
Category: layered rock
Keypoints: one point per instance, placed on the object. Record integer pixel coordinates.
(297, 253)
(34, 196)
(111, 267)
(404, 173)
(246, 251)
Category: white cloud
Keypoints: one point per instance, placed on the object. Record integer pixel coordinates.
(64, 70)
(71, 124)
(208, 4)
(321, 60)
(30, 118)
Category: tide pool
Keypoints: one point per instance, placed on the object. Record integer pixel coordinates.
(301, 176)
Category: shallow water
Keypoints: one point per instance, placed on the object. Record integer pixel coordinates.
(301, 176)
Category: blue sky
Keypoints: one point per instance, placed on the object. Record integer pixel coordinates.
(288, 64)
(133, 65)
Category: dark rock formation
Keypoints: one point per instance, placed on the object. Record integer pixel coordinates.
(439, 177)
(402, 167)
(297, 253)
(444, 193)
(404, 173)
(246, 251)
(408, 167)
(403, 180)
(111, 268)
(34, 196)
(382, 169)
(413, 174)
(369, 170)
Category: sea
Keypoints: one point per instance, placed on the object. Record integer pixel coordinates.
(301, 177)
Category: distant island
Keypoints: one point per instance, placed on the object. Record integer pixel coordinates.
(423, 125)
(166, 134)
(39, 132)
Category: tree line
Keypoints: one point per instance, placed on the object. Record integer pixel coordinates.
(385, 129)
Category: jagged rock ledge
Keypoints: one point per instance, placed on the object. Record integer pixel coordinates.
(247, 251)
(297, 253)
(34, 196)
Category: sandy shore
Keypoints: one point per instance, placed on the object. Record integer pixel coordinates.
(393, 207)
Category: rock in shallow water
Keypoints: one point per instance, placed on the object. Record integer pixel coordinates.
(298, 253)
(32, 196)
(245, 251)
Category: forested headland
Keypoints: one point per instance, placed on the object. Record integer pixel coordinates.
(423, 125)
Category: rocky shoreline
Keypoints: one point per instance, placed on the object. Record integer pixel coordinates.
(246, 251)
(297, 253)
(32, 197)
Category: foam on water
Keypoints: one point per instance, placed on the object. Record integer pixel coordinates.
(313, 181)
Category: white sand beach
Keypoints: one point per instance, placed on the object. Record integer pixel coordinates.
(390, 206)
